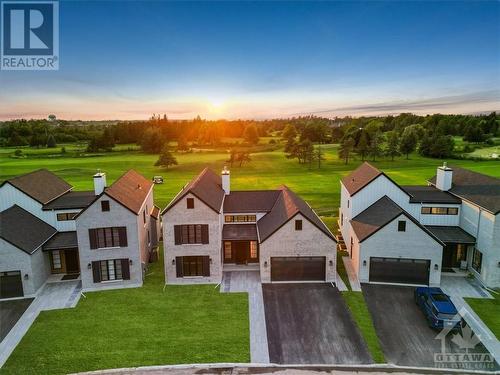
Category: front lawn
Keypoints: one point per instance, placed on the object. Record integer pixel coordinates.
(488, 310)
(137, 327)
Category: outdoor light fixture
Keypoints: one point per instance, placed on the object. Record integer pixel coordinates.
(265, 263)
(331, 263)
(436, 267)
(498, 264)
(130, 262)
(26, 276)
(173, 262)
(210, 260)
(364, 263)
(89, 266)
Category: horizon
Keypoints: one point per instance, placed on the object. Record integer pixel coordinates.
(124, 61)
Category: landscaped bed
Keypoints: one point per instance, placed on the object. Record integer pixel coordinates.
(137, 327)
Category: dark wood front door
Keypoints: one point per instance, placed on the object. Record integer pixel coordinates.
(71, 259)
(241, 249)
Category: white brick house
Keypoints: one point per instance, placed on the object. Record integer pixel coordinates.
(207, 228)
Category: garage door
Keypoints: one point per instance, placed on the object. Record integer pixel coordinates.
(298, 268)
(11, 284)
(400, 271)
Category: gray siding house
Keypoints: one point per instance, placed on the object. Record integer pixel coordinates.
(207, 229)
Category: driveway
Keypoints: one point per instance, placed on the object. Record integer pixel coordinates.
(404, 335)
(310, 324)
(10, 312)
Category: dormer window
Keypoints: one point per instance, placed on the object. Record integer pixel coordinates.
(104, 206)
(298, 224)
(190, 203)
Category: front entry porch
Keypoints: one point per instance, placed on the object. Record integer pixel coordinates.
(239, 244)
(62, 251)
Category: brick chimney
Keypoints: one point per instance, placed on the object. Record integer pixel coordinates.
(444, 177)
(226, 180)
(99, 182)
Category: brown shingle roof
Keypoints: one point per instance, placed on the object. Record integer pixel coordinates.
(130, 190)
(41, 185)
(62, 240)
(242, 232)
(475, 187)
(24, 230)
(72, 199)
(250, 201)
(360, 177)
(287, 205)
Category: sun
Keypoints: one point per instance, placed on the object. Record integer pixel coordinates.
(217, 103)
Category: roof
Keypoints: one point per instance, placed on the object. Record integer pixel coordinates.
(72, 199)
(360, 177)
(287, 205)
(207, 187)
(451, 234)
(429, 194)
(24, 230)
(242, 232)
(62, 240)
(477, 188)
(131, 189)
(155, 213)
(378, 215)
(41, 185)
(250, 201)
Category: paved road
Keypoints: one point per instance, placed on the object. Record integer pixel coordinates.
(404, 335)
(310, 324)
(10, 312)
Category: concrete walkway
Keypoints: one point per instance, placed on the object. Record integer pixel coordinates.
(340, 284)
(463, 287)
(353, 278)
(249, 281)
(52, 296)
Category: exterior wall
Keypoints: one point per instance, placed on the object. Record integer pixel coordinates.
(63, 226)
(10, 196)
(414, 243)
(355, 255)
(117, 216)
(345, 215)
(287, 241)
(446, 220)
(200, 214)
(36, 266)
(145, 246)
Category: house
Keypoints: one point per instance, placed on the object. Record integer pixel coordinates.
(412, 234)
(207, 229)
(39, 231)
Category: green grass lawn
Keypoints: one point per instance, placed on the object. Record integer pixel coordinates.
(488, 310)
(137, 327)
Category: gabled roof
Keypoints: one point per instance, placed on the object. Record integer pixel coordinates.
(360, 177)
(62, 240)
(72, 199)
(378, 215)
(130, 190)
(250, 201)
(475, 187)
(24, 230)
(207, 187)
(429, 194)
(451, 234)
(287, 205)
(41, 185)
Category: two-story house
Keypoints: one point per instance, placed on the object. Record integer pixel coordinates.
(411, 234)
(207, 228)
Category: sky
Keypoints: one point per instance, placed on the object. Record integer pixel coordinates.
(234, 59)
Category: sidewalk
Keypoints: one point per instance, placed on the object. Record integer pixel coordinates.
(353, 279)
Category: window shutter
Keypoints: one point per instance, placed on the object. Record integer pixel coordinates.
(96, 271)
(178, 234)
(178, 266)
(93, 238)
(204, 234)
(206, 266)
(125, 269)
(123, 236)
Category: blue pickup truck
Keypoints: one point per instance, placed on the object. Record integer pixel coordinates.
(438, 308)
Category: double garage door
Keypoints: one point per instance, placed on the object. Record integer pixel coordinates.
(11, 284)
(400, 271)
(298, 268)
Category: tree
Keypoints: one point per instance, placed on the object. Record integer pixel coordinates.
(51, 142)
(243, 157)
(392, 147)
(375, 149)
(152, 141)
(346, 148)
(233, 154)
(408, 142)
(363, 145)
(166, 159)
(318, 156)
(251, 134)
(289, 132)
(182, 144)
(474, 133)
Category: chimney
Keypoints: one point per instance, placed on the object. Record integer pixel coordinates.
(226, 181)
(99, 182)
(444, 177)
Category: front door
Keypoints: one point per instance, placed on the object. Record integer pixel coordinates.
(71, 257)
(448, 251)
(241, 249)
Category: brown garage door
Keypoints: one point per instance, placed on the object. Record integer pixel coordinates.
(11, 284)
(298, 268)
(400, 271)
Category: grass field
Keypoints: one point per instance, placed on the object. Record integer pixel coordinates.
(141, 326)
(488, 310)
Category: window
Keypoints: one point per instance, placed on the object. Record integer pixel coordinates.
(439, 211)
(348, 203)
(66, 216)
(228, 253)
(401, 226)
(108, 237)
(192, 266)
(298, 224)
(111, 269)
(477, 260)
(104, 206)
(342, 219)
(56, 260)
(253, 250)
(191, 234)
(144, 216)
(190, 203)
(149, 238)
(240, 218)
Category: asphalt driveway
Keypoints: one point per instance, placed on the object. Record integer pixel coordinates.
(310, 324)
(404, 335)
(10, 312)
